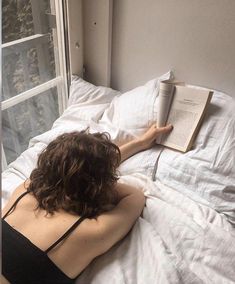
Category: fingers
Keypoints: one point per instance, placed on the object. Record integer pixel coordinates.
(165, 129)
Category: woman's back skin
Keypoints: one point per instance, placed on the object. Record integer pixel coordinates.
(90, 239)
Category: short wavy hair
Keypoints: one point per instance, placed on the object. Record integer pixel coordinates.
(76, 172)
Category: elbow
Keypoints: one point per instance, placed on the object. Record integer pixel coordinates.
(141, 200)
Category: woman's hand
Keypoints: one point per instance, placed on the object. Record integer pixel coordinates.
(143, 142)
(148, 138)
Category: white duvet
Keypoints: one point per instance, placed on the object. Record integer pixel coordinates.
(186, 233)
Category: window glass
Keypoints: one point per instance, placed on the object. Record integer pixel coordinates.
(27, 119)
(23, 18)
(30, 57)
(29, 53)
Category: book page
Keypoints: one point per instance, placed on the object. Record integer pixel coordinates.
(186, 110)
(166, 90)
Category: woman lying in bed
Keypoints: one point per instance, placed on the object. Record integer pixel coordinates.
(72, 209)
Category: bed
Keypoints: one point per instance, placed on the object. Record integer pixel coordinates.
(186, 232)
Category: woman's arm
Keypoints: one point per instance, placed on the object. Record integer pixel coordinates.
(110, 227)
(143, 142)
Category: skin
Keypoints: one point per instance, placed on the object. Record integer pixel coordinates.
(93, 237)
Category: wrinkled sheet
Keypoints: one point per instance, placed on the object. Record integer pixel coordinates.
(175, 241)
(181, 237)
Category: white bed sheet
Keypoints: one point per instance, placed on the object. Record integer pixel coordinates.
(184, 235)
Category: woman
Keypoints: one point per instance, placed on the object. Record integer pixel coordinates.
(72, 209)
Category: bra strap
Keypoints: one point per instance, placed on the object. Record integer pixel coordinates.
(14, 204)
(65, 235)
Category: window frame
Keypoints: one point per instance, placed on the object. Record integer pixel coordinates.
(61, 79)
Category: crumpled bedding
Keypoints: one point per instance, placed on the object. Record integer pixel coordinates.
(207, 172)
(186, 232)
(175, 241)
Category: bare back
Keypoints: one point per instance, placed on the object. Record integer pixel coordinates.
(43, 230)
(93, 237)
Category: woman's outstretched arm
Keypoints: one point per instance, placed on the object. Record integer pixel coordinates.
(143, 142)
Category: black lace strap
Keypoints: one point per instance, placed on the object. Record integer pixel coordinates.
(14, 204)
(66, 234)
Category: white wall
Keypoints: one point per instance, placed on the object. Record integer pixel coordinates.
(97, 36)
(75, 29)
(195, 37)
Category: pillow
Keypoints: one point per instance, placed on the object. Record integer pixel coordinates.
(86, 102)
(133, 111)
(83, 92)
(205, 174)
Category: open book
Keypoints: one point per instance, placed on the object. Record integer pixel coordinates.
(183, 107)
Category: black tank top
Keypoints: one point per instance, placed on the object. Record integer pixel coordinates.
(25, 263)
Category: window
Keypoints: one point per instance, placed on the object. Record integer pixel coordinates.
(33, 71)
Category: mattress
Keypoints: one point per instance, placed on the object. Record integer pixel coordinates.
(186, 231)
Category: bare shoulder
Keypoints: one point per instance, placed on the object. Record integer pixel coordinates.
(3, 280)
(16, 193)
(21, 188)
(112, 226)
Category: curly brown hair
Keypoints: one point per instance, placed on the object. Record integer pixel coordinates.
(76, 172)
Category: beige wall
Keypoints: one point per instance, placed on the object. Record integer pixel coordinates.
(97, 36)
(194, 37)
(75, 28)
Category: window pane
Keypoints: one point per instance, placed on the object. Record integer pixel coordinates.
(30, 118)
(20, 18)
(27, 69)
(30, 61)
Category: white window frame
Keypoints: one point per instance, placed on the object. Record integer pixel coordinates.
(60, 81)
